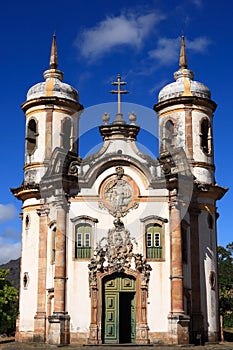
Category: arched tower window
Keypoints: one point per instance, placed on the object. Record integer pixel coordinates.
(169, 133)
(205, 134)
(66, 134)
(31, 136)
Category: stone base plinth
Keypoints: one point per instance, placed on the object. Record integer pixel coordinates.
(179, 328)
(142, 334)
(39, 335)
(59, 329)
(93, 336)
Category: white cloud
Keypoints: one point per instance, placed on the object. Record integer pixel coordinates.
(199, 44)
(126, 29)
(9, 251)
(7, 212)
(167, 50)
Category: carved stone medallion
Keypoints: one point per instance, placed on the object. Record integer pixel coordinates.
(118, 194)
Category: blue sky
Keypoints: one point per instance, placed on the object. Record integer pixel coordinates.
(96, 41)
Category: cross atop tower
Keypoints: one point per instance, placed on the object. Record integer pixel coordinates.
(119, 92)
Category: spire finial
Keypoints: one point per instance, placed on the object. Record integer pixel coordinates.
(183, 59)
(53, 56)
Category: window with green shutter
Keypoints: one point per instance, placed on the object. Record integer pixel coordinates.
(154, 241)
(83, 234)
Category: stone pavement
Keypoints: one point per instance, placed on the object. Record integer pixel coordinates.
(20, 346)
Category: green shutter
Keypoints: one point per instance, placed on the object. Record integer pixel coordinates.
(83, 241)
(154, 248)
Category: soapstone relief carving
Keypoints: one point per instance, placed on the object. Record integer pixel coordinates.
(118, 195)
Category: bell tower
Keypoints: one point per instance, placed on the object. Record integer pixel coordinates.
(185, 116)
(52, 111)
(52, 116)
(185, 111)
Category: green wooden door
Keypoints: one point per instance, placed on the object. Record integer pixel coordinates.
(119, 309)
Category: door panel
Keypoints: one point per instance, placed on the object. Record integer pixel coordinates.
(119, 310)
(111, 318)
(133, 318)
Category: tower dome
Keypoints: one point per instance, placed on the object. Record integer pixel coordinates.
(53, 85)
(184, 84)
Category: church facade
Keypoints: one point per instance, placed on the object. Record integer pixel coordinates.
(119, 247)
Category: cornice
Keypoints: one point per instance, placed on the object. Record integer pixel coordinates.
(186, 100)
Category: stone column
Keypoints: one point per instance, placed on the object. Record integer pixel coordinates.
(178, 321)
(40, 317)
(59, 322)
(197, 317)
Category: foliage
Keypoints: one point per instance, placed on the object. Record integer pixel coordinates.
(225, 272)
(228, 321)
(8, 303)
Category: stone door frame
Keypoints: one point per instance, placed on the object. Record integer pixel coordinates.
(96, 295)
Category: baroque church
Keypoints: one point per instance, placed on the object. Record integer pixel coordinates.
(119, 247)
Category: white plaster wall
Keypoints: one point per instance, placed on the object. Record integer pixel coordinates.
(29, 263)
(159, 294)
(78, 302)
(208, 261)
(50, 264)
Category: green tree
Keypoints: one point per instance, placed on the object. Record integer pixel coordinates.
(8, 303)
(225, 278)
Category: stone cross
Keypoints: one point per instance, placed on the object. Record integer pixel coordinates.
(119, 92)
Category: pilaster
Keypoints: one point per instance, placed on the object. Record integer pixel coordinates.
(176, 276)
(59, 322)
(188, 132)
(49, 132)
(178, 321)
(40, 317)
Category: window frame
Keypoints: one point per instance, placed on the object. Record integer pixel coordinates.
(67, 145)
(79, 221)
(35, 136)
(150, 221)
(206, 139)
(83, 251)
(169, 133)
